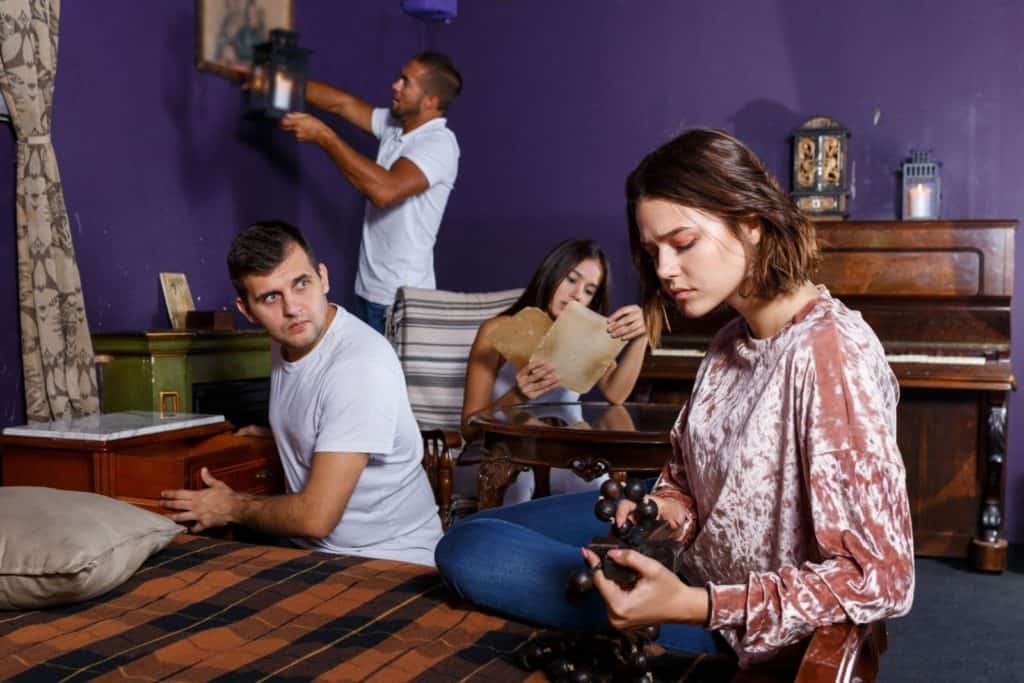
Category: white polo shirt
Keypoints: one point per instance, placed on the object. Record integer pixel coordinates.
(398, 242)
(348, 395)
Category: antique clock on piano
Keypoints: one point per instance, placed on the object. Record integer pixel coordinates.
(820, 184)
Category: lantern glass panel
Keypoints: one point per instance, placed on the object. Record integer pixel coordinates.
(278, 81)
(922, 188)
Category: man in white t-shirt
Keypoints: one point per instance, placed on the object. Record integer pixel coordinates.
(339, 415)
(407, 188)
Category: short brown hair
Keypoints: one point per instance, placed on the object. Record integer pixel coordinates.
(261, 248)
(442, 79)
(712, 171)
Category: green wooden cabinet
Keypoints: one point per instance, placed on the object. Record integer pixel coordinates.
(159, 370)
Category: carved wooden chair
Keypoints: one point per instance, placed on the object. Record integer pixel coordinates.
(432, 332)
(844, 653)
(840, 653)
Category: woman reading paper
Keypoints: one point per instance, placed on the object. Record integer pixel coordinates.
(575, 270)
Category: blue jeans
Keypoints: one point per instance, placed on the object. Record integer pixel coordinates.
(516, 560)
(370, 313)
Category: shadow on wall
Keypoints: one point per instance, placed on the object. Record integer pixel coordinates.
(255, 168)
(209, 132)
(766, 127)
(501, 253)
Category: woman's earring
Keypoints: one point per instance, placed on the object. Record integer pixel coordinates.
(664, 316)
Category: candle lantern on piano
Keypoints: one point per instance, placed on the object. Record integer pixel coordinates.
(278, 82)
(922, 188)
(820, 183)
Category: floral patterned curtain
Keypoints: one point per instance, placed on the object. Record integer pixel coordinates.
(57, 355)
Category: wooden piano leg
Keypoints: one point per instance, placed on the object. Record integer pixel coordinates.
(988, 549)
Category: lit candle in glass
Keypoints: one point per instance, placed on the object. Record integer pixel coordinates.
(920, 201)
(282, 91)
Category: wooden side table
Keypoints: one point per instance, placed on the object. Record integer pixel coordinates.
(136, 467)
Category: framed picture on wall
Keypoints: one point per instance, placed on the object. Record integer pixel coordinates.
(178, 298)
(226, 31)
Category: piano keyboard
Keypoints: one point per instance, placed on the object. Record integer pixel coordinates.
(891, 357)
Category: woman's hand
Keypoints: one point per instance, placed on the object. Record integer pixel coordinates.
(627, 323)
(536, 378)
(658, 597)
(669, 510)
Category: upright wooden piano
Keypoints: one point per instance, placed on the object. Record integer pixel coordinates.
(938, 295)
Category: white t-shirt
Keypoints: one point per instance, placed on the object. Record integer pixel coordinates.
(348, 395)
(398, 242)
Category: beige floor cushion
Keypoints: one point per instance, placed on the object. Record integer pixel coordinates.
(64, 546)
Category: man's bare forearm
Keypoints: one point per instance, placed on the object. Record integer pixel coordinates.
(340, 103)
(370, 179)
(284, 515)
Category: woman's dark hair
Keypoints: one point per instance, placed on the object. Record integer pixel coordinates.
(712, 171)
(261, 248)
(555, 267)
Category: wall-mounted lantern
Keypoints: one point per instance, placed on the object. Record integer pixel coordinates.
(278, 81)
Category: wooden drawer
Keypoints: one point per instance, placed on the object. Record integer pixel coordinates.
(260, 476)
(137, 469)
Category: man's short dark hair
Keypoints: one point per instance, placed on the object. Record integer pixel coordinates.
(442, 78)
(261, 248)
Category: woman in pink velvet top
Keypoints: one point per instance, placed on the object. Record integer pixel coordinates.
(786, 486)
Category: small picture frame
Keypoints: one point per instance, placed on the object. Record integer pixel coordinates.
(226, 31)
(178, 298)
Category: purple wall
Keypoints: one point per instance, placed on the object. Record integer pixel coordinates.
(12, 403)
(160, 171)
(561, 100)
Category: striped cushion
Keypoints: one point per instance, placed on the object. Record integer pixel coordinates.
(432, 332)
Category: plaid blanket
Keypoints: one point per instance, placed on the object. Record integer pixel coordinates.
(205, 609)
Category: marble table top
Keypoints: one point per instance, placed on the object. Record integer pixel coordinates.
(111, 426)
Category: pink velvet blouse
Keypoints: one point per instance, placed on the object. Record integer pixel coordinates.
(785, 459)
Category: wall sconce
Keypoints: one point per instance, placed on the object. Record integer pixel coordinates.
(922, 188)
(820, 183)
(278, 82)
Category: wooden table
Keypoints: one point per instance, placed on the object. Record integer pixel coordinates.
(591, 439)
